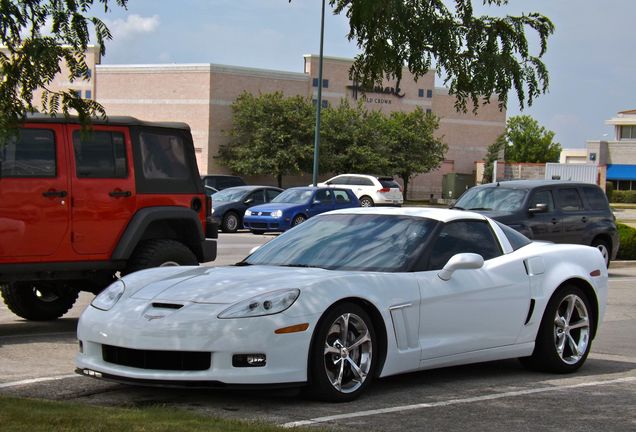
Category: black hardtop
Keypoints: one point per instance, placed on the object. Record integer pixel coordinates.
(109, 120)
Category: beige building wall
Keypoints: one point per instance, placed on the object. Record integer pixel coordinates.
(202, 94)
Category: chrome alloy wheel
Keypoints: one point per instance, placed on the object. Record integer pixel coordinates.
(348, 353)
(571, 329)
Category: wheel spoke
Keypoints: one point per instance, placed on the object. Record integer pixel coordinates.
(560, 345)
(568, 314)
(331, 349)
(356, 370)
(573, 345)
(344, 330)
(559, 321)
(583, 323)
(362, 339)
(340, 375)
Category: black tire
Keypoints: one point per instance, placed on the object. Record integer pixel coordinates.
(298, 219)
(39, 301)
(160, 253)
(604, 247)
(366, 201)
(230, 222)
(324, 362)
(556, 328)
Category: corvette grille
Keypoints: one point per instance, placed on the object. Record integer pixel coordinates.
(159, 360)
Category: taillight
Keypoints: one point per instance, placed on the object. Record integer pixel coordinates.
(385, 190)
(208, 205)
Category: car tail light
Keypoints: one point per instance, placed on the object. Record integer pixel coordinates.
(384, 190)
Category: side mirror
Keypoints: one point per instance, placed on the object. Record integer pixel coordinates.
(462, 261)
(248, 201)
(316, 202)
(254, 249)
(539, 208)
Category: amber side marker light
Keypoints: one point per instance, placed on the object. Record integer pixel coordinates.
(595, 273)
(292, 329)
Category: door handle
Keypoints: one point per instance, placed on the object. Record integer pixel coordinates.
(554, 220)
(119, 194)
(584, 219)
(53, 193)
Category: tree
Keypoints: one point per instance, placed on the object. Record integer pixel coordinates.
(479, 55)
(270, 135)
(36, 36)
(529, 142)
(353, 139)
(492, 155)
(413, 147)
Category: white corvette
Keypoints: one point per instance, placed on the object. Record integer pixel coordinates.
(349, 296)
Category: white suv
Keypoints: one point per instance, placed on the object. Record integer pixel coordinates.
(370, 190)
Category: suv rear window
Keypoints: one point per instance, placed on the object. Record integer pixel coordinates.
(391, 184)
(32, 154)
(163, 156)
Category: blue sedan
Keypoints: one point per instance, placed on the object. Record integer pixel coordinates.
(296, 205)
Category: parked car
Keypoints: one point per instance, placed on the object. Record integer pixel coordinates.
(77, 208)
(553, 210)
(294, 206)
(347, 297)
(222, 181)
(229, 205)
(371, 190)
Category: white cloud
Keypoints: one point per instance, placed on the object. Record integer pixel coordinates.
(133, 25)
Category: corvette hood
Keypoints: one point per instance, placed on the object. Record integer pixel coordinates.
(225, 285)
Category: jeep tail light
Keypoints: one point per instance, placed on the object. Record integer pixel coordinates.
(208, 205)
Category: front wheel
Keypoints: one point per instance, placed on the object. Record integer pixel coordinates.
(39, 301)
(298, 220)
(565, 334)
(343, 354)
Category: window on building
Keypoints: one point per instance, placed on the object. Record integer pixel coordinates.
(314, 82)
(323, 104)
(628, 132)
(88, 94)
(429, 111)
(420, 93)
(89, 73)
(77, 93)
(429, 93)
(325, 83)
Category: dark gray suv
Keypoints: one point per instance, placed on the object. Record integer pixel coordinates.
(552, 210)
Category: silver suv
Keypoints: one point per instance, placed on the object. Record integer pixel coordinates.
(370, 190)
(557, 211)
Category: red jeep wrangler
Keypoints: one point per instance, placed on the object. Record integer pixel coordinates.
(78, 207)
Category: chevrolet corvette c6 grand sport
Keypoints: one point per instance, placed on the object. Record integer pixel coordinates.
(348, 297)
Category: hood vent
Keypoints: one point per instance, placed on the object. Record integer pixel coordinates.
(167, 306)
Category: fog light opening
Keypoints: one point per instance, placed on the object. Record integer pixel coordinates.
(249, 360)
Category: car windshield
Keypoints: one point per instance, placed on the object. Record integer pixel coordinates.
(365, 242)
(491, 198)
(229, 195)
(294, 196)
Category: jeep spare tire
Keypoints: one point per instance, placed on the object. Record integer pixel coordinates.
(160, 253)
(39, 301)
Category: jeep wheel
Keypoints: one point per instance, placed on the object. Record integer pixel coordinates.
(39, 301)
(160, 253)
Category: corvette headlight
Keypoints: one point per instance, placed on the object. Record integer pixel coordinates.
(265, 304)
(248, 213)
(277, 213)
(111, 295)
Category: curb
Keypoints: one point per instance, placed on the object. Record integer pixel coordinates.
(622, 264)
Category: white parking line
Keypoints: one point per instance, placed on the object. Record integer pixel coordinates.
(36, 380)
(454, 402)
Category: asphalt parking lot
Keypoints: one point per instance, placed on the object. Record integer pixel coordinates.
(36, 360)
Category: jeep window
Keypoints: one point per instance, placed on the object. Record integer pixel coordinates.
(492, 198)
(595, 198)
(163, 156)
(31, 154)
(542, 197)
(100, 154)
(569, 200)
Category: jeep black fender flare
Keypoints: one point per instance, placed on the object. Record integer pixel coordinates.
(178, 223)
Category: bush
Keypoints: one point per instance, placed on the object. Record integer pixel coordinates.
(627, 249)
(623, 196)
(609, 190)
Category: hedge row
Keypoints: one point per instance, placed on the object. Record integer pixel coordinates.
(623, 196)
(627, 249)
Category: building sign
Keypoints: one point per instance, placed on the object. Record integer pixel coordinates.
(376, 90)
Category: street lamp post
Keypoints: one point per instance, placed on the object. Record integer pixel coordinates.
(319, 102)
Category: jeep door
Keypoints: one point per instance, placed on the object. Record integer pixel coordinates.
(34, 188)
(103, 190)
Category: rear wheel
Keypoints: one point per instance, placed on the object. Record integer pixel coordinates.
(343, 354)
(39, 301)
(565, 334)
(230, 223)
(604, 248)
(160, 253)
(366, 201)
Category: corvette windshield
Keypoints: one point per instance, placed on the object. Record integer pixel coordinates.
(294, 196)
(348, 242)
(491, 198)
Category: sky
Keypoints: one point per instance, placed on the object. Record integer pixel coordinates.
(591, 57)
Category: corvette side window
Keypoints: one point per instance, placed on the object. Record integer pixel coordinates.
(463, 237)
